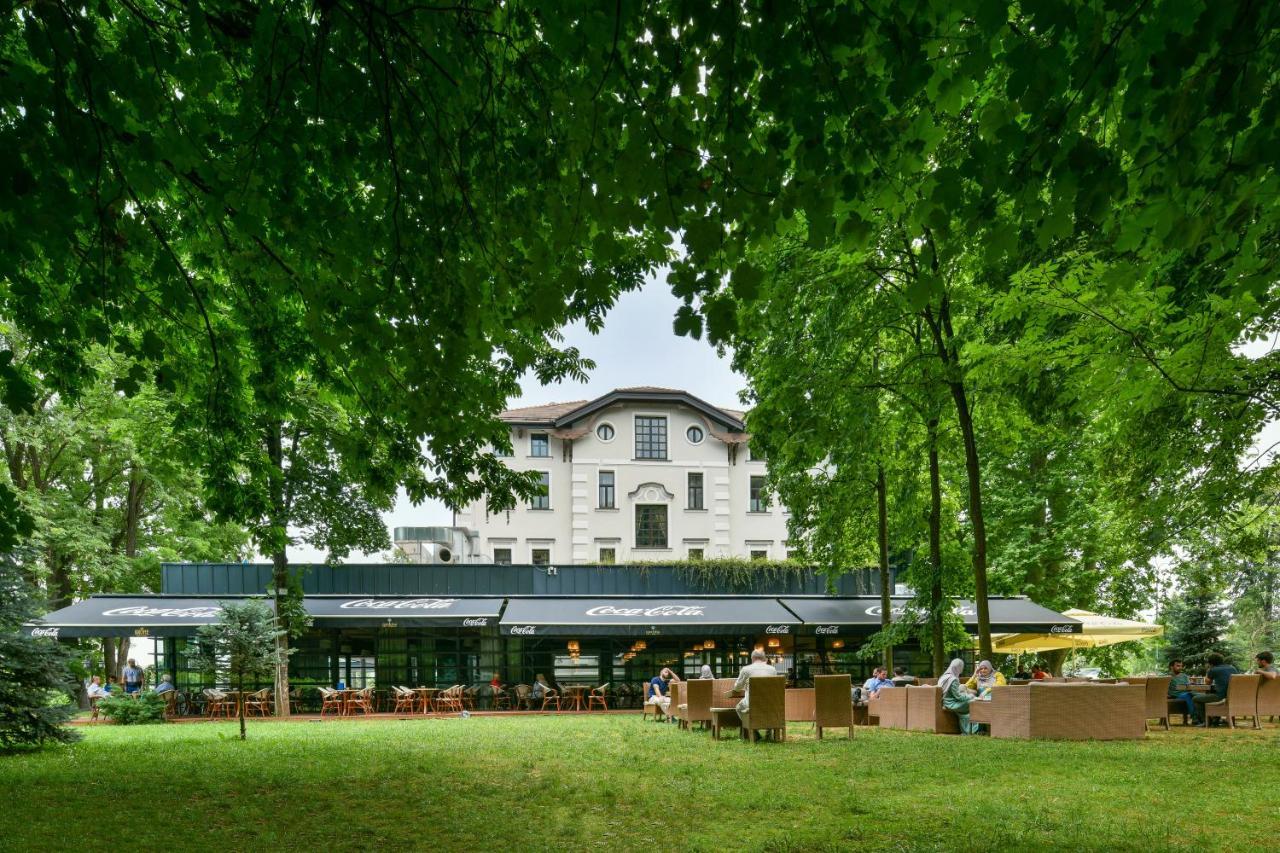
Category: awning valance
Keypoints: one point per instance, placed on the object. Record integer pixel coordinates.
(646, 616)
(835, 616)
(402, 611)
(129, 616)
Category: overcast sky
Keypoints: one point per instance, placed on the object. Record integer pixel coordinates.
(637, 347)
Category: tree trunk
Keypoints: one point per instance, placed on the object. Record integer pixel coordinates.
(886, 610)
(115, 651)
(937, 636)
(240, 701)
(280, 568)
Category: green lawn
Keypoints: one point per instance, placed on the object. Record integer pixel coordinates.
(580, 782)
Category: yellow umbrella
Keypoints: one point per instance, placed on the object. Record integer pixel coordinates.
(1097, 631)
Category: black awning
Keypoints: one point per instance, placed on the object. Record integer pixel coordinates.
(646, 616)
(402, 611)
(835, 616)
(129, 616)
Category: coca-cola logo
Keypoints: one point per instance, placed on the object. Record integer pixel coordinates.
(475, 622)
(827, 629)
(899, 610)
(525, 630)
(1062, 629)
(45, 632)
(399, 604)
(171, 612)
(663, 610)
(778, 629)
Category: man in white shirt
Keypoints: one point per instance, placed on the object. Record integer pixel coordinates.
(759, 666)
(94, 690)
(132, 677)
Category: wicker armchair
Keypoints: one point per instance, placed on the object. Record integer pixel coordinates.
(500, 700)
(767, 707)
(217, 702)
(650, 705)
(1241, 701)
(258, 703)
(450, 701)
(551, 697)
(599, 696)
(925, 712)
(677, 697)
(890, 708)
(524, 697)
(1157, 698)
(697, 703)
(1269, 698)
(330, 700)
(831, 706)
(405, 700)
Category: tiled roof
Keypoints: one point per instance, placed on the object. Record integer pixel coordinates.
(650, 389)
(547, 412)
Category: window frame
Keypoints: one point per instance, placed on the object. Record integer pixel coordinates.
(544, 498)
(651, 544)
(701, 503)
(702, 434)
(758, 554)
(546, 437)
(647, 435)
(533, 555)
(497, 561)
(613, 555)
(757, 500)
(609, 426)
(612, 486)
(697, 554)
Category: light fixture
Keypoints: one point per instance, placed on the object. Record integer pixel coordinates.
(708, 644)
(640, 645)
(573, 645)
(774, 642)
(838, 644)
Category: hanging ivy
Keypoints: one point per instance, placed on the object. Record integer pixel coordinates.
(733, 573)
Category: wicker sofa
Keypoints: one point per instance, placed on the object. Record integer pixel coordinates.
(890, 708)
(925, 712)
(1065, 711)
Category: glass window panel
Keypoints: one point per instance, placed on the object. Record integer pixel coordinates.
(651, 437)
(539, 444)
(608, 495)
(651, 526)
(696, 495)
(542, 500)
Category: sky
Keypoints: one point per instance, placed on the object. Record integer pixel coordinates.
(636, 347)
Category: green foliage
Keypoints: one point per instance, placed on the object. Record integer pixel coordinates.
(1196, 624)
(241, 645)
(128, 711)
(32, 671)
(734, 573)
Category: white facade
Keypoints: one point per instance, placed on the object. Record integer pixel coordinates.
(696, 499)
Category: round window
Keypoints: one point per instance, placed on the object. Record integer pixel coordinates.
(694, 434)
(604, 432)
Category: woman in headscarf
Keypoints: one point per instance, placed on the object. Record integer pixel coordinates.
(706, 672)
(984, 678)
(955, 697)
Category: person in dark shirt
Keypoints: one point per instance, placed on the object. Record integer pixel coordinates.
(1219, 676)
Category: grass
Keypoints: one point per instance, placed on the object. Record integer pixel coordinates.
(585, 782)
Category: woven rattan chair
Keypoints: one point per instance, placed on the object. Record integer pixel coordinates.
(832, 708)
(500, 700)
(551, 697)
(170, 704)
(925, 712)
(258, 703)
(1157, 698)
(767, 707)
(697, 703)
(890, 708)
(650, 705)
(405, 700)
(330, 700)
(218, 702)
(1269, 698)
(799, 704)
(450, 701)
(1065, 711)
(524, 697)
(677, 697)
(599, 696)
(1241, 701)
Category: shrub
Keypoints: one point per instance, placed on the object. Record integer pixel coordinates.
(147, 708)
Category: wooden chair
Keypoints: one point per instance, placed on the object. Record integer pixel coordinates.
(449, 701)
(697, 703)
(469, 697)
(218, 702)
(1157, 699)
(766, 707)
(524, 697)
(258, 702)
(677, 697)
(599, 696)
(658, 716)
(170, 704)
(406, 701)
(500, 700)
(330, 700)
(1269, 698)
(831, 706)
(551, 697)
(1241, 701)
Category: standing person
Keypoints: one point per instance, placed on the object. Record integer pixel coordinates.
(984, 678)
(1180, 687)
(132, 677)
(759, 666)
(1265, 665)
(955, 697)
(1219, 676)
(706, 672)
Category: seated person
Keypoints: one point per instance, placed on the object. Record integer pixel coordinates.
(901, 677)
(1179, 687)
(1022, 675)
(540, 688)
(1219, 676)
(94, 688)
(759, 667)
(984, 678)
(659, 689)
(1265, 666)
(956, 697)
(165, 685)
(879, 679)
(1038, 673)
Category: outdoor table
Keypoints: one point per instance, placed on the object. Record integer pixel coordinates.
(575, 696)
(426, 696)
(726, 718)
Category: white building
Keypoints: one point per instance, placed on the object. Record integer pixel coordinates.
(638, 474)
